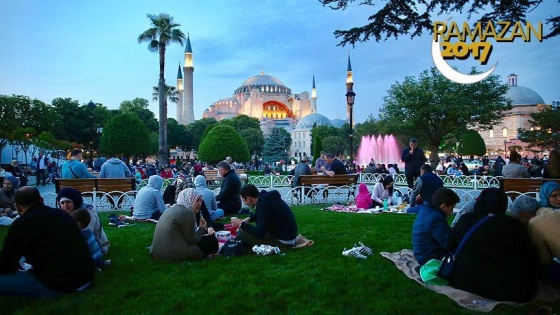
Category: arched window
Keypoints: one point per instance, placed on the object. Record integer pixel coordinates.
(491, 133)
(504, 132)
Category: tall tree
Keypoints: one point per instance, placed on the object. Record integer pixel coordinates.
(275, 146)
(545, 130)
(171, 93)
(137, 102)
(177, 134)
(220, 142)
(198, 129)
(254, 139)
(397, 17)
(163, 32)
(241, 122)
(472, 144)
(433, 108)
(129, 141)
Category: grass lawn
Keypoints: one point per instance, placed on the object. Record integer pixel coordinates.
(314, 280)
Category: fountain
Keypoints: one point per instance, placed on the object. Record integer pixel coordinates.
(383, 149)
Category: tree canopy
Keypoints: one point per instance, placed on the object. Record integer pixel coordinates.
(275, 146)
(125, 135)
(223, 141)
(472, 144)
(434, 109)
(395, 18)
(545, 128)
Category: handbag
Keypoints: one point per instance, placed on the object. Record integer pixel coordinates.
(448, 261)
(233, 247)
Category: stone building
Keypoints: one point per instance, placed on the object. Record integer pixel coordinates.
(505, 135)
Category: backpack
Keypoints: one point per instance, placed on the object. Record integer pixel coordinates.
(233, 247)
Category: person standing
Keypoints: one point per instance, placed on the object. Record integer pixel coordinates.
(74, 168)
(41, 167)
(52, 243)
(413, 158)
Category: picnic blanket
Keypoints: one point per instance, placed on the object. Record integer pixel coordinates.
(355, 209)
(405, 261)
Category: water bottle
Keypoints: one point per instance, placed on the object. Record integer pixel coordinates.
(385, 204)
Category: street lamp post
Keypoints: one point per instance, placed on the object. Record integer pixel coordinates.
(350, 95)
(91, 105)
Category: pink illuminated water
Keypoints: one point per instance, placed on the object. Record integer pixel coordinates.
(383, 149)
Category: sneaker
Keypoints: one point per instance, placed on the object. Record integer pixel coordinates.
(353, 252)
(121, 224)
(107, 262)
(113, 220)
(363, 249)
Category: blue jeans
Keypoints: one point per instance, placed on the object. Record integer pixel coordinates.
(23, 283)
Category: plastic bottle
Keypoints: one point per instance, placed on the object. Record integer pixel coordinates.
(385, 204)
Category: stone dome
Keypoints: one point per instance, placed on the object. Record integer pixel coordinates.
(310, 120)
(265, 83)
(338, 122)
(520, 95)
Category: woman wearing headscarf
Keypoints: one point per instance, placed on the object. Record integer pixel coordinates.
(549, 195)
(69, 199)
(499, 260)
(177, 237)
(7, 201)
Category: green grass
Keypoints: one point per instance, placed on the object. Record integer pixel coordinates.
(314, 280)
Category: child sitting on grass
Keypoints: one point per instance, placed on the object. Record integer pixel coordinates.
(83, 218)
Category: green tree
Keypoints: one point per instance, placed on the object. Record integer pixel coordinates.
(472, 144)
(163, 32)
(545, 129)
(139, 106)
(126, 135)
(170, 92)
(223, 141)
(317, 148)
(241, 122)
(177, 134)
(275, 146)
(388, 20)
(334, 145)
(434, 109)
(321, 132)
(254, 139)
(197, 130)
(138, 102)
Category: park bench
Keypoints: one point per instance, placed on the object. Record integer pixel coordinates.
(100, 184)
(213, 178)
(523, 185)
(320, 182)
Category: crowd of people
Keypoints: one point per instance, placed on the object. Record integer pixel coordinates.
(49, 252)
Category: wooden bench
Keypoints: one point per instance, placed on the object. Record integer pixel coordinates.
(336, 180)
(213, 178)
(100, 184)
(523, 185)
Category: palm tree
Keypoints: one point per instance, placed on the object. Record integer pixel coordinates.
(170, 91)
(162, 33)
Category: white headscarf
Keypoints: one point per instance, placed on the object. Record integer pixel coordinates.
(188, 197)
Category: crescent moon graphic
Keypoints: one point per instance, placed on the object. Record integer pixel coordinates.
(451, 73)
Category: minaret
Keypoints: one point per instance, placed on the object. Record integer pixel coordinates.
(180, 106)
(313, 97)
(349, 81)
(188, 70)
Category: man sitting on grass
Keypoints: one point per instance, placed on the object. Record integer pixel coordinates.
(275, 222)
(430, 229)
(51, 243)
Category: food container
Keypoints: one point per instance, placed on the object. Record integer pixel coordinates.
(223, 236)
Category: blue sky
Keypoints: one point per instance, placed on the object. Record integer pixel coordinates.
(89, 50)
